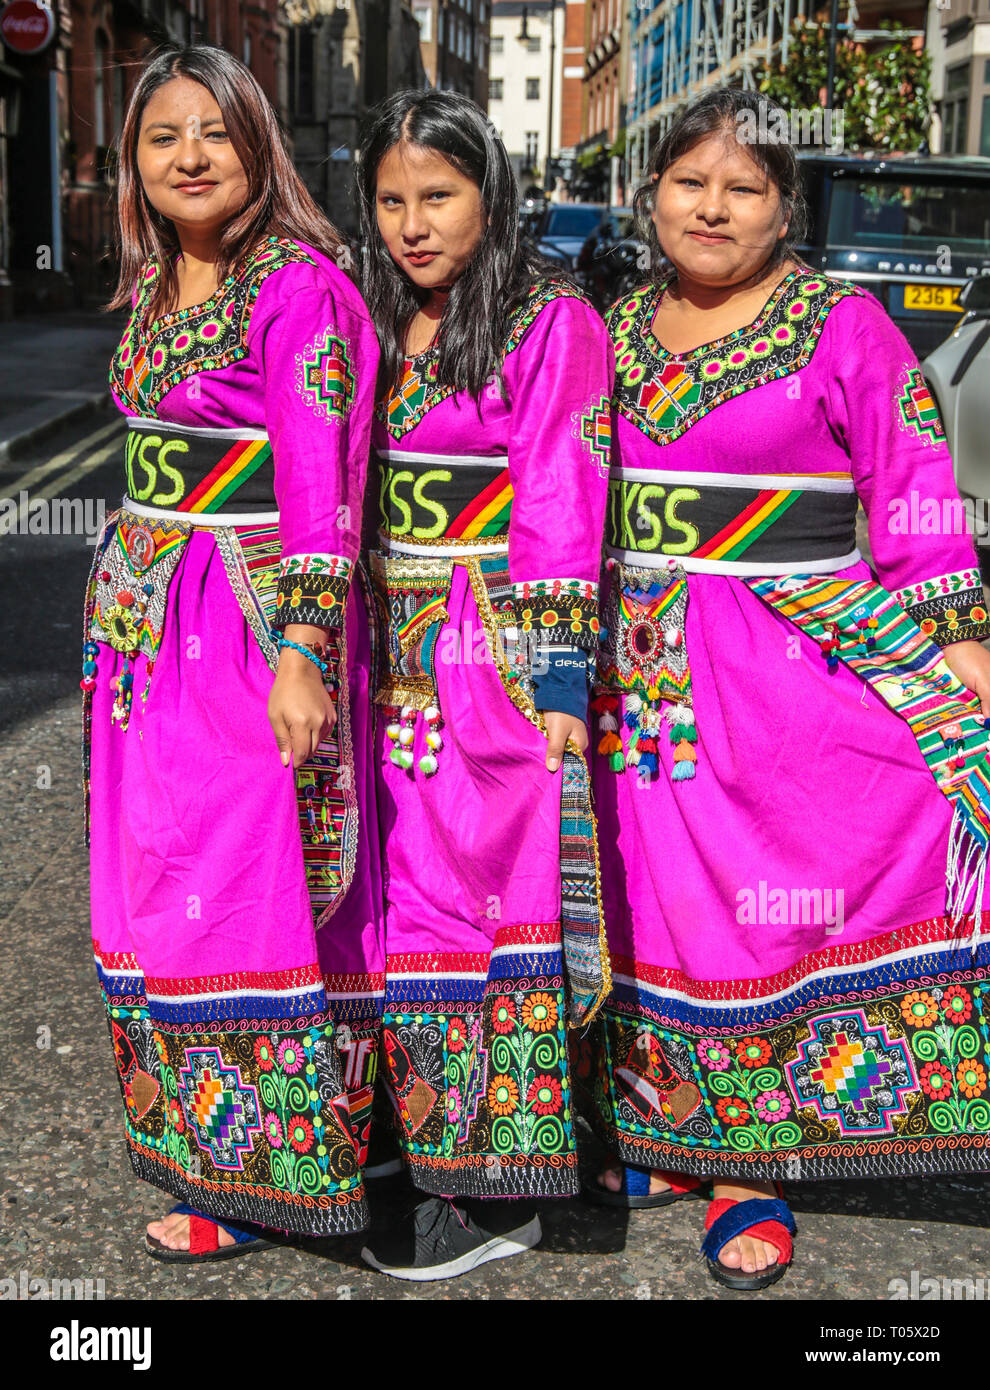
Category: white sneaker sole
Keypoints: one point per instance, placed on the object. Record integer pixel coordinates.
(498, 1248)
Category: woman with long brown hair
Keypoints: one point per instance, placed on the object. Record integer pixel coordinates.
(225, 680)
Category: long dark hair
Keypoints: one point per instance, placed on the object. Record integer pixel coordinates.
(474, 324)
(722, 110)
(277, 202)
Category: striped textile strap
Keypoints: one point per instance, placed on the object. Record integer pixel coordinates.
(860, 624)
(192, 472)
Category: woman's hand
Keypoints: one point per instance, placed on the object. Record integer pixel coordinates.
(300, 709)
(969, 662)
(560, 728)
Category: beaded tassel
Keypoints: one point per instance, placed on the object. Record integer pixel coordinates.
(123, 685)
(683, 735)
(610, 744)
(319, 814)
(434, 742)
(402, 733)
(89, 672)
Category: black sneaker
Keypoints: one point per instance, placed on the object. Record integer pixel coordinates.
(384, 1155)
(440, 1240)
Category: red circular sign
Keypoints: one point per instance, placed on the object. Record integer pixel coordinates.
(26, 26)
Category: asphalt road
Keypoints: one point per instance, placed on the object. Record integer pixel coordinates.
(71, 1207)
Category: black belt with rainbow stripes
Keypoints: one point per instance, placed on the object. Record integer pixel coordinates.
(199, 473)
(432, 503)
(725, 523)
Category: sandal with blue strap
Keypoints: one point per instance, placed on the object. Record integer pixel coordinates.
(204, 1240)
(762, 1218)
(634, 1194)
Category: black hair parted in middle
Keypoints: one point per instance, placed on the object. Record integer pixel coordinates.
(475, 320)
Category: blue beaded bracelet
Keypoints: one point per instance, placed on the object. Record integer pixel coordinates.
(311, 656)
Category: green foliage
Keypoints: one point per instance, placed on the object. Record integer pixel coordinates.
(884, 93)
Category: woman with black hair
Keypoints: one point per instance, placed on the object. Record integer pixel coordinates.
(235, 889)
(491, 436)
(791, 766)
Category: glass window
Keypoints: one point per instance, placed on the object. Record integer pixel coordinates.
(532, 146)
(532, 89)
(498, 43)
(533, 45)
(495, 88)
(423, 15)
(570, 220)
(986, 72)
(985, 127)
(301, 70)
(957, 79)
(910, 217)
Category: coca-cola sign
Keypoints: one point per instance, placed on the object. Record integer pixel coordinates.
(27, 27)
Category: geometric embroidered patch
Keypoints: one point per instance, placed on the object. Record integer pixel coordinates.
(221, 1108)
(667, 398)
(917, 411)
(324, 378)
(594, 427)
(852, 1073)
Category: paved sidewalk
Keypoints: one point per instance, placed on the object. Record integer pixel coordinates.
(53, 370)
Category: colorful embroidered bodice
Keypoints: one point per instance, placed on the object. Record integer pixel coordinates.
(152, 358)
(663, 393)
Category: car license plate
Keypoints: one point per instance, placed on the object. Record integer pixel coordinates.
(932, 297)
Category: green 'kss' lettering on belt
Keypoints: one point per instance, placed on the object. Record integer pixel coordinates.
(150, 452)
(398, 518)
(645, 516)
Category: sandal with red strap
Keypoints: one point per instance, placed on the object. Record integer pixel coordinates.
(204, 1240)
(635, 1194)
(762, 1218)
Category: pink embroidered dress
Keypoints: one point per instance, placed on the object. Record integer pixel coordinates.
(490, 531)
(791, 786)
(236, 903)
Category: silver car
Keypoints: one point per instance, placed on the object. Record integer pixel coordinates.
(958, 376)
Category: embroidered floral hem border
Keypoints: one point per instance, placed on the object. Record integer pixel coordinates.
(850, 1072)
(250, 1104)
(474, 1054)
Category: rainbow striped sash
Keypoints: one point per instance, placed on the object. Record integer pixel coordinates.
(436, 504)
(194, 473)
(724, 523)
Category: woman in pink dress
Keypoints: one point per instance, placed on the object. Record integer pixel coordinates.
(791, 767)
(235, 899)
(491, 437)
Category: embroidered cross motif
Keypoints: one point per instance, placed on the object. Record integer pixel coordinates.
(666, 398)
(324, 377)
(918, 411)
(595, 428)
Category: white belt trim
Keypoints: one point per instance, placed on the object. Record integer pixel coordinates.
(140, 422)
(639, 560)
(450, 460)
(401, 548)
(760, 481)
(206, 519)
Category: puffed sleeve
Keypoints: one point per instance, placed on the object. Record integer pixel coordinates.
(901, 466)
(559, 380)
(318, 357)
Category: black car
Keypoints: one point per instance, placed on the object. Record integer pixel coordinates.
(912, 229)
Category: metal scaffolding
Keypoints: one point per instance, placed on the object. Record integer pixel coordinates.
(678, 48)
